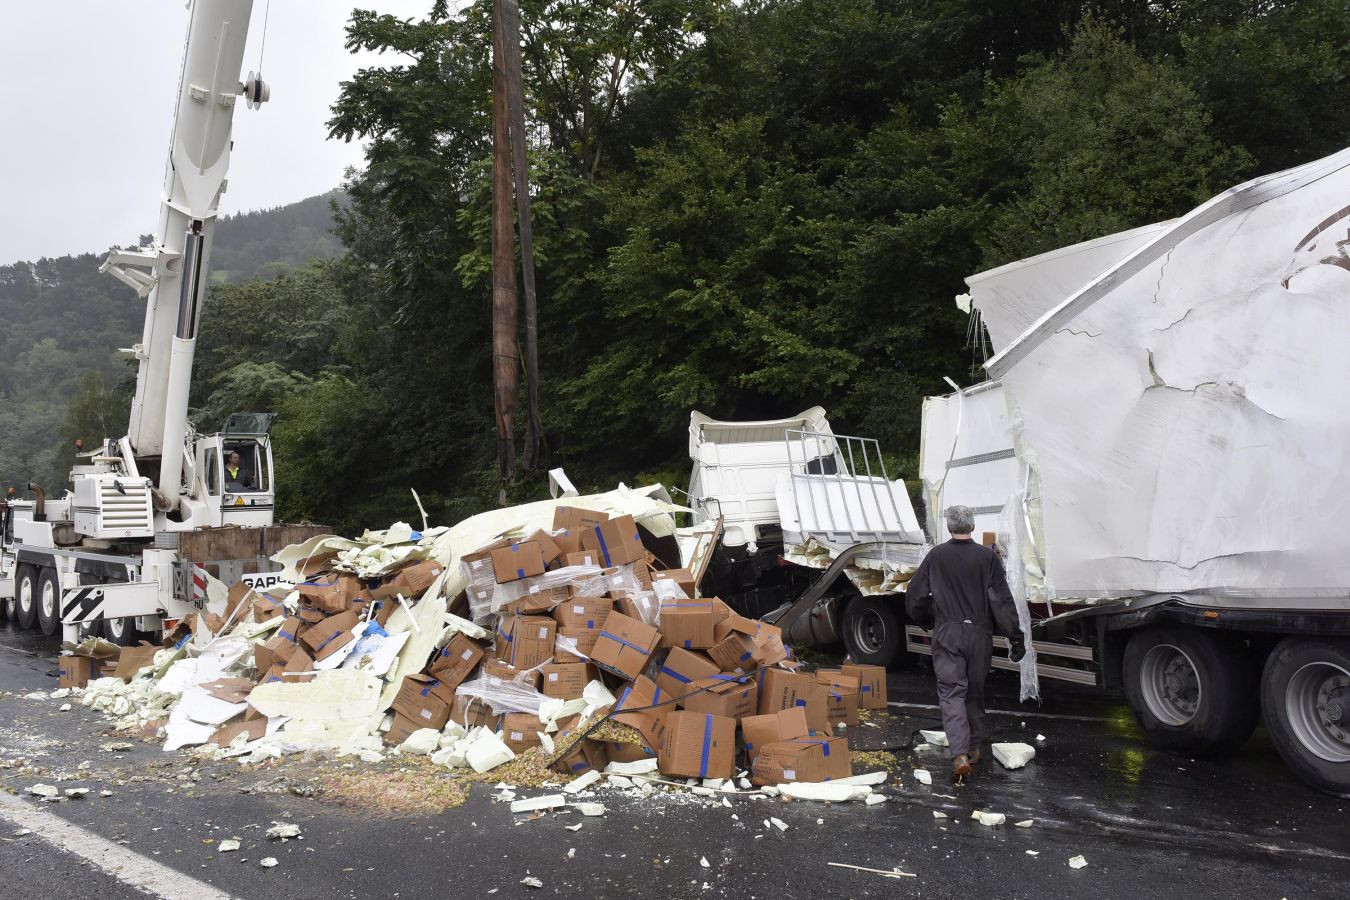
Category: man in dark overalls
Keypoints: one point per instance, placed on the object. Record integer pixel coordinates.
(961, 592)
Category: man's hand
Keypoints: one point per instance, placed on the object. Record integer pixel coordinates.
(1017, 648)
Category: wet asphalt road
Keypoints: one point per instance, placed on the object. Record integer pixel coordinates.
(1149, 824)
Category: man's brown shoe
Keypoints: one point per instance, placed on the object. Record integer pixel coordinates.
(960, 767)
(974, 755)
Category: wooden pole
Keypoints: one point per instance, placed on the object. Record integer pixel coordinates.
(515, 100)
(505, 352)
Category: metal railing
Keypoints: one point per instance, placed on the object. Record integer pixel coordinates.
(855, 462)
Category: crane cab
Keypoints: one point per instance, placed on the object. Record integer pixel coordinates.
(235, 473)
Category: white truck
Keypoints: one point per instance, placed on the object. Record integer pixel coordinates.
(1163, 459)
(123, 550)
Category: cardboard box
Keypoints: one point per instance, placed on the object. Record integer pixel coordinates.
(520, 731)
(292, 628)
(548, 548)
(681, 669)
(780, 689)
(566, 680)
(652, 705)
(420, 699)
(76, 671)
(495, 668)
(238, 594)
(784, 725)
(583, 612)
(586, 756)
(585, 639)
(309, 616)
(276, 650)
(411, 581)
(736, 653)
(681, 577)
(802, 759)
(266, 608)
(734, 623)
(618, 751)
(568, 524)
(478, 569)
(455, 662)
(581, 557)
(615, 540)
(330, 635)
(132, 659)
(536, 602)
(472, 712)
(519, 560)
(688, 624)
(332, 593)
(639, 607)
(841, 698)
(624, 646)
(722, 695)
(698, 745)
(871, 684)
(525, 641)
(402, 729)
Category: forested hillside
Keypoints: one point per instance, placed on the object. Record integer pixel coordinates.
(61, 375)
(745, 208)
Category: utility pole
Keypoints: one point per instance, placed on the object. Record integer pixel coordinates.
(505, 352)
(515, 102)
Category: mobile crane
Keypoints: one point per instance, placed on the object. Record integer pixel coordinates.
(124, 550)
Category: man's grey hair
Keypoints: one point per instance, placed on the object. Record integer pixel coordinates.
(960, 519)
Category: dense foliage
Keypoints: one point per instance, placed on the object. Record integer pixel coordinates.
(746, 208)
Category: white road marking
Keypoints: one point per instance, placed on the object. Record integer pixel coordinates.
(1010, 712)
(125, 865)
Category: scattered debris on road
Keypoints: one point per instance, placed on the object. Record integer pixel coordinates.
(1077, 862)
(885, 873)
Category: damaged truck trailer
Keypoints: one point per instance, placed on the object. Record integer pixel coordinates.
(1163, 459)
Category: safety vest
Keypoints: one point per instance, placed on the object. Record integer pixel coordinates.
(233, 473)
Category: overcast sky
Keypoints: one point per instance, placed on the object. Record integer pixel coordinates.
(87, 97)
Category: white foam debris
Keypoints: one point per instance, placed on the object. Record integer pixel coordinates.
(936, 738)
(989, 818)
(422, 742)
(868, 778)
(268, 862)
(824, 791)
(620, 781)
(1077, 862)
(590, 809)
(1025, 823)
(45, 791)
(283, 831)
(531, 882)
(778, 823)
(228, 846)
(576, 827)
(703, 861)
(1033, 853)
(874, 799)
(534, 804)
(75, 793)
(636, 767)
(923, 776)
(1013, 755)
(581, 782)
(939, 814)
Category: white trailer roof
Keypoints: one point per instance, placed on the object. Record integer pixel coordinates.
(1183, 408)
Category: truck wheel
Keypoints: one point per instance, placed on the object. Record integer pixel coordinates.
(49, 602)
(1191, 691)
(873, 630)
(1305, 694)
(25, 595)
(121, 632)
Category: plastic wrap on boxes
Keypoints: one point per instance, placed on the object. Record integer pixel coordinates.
(510, 592)
(503, 696)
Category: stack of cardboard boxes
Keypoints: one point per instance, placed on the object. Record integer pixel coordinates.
(698, 682)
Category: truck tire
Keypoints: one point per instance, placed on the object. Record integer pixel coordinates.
(1192, 692)
(1305, 695)
(874, 630)
(26, 595)
(122, 632)
(48, 602)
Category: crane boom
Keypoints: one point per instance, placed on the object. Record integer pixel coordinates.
(194, 179)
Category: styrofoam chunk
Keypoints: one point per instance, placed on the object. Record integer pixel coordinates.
(533, 804)
(714, 783)
(826, 791)
(778, 823)
(1025, 823)
(989, 818)
(1014, 755)
(936, 738)
(939, 814)
(636, 767)
(1077, 862)
(581, 782)
(590, 809)
(874, 799)
(228, 846)
(421, 742)
(922, 776)
(620, 781)
(869, 778)
(268, 862)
